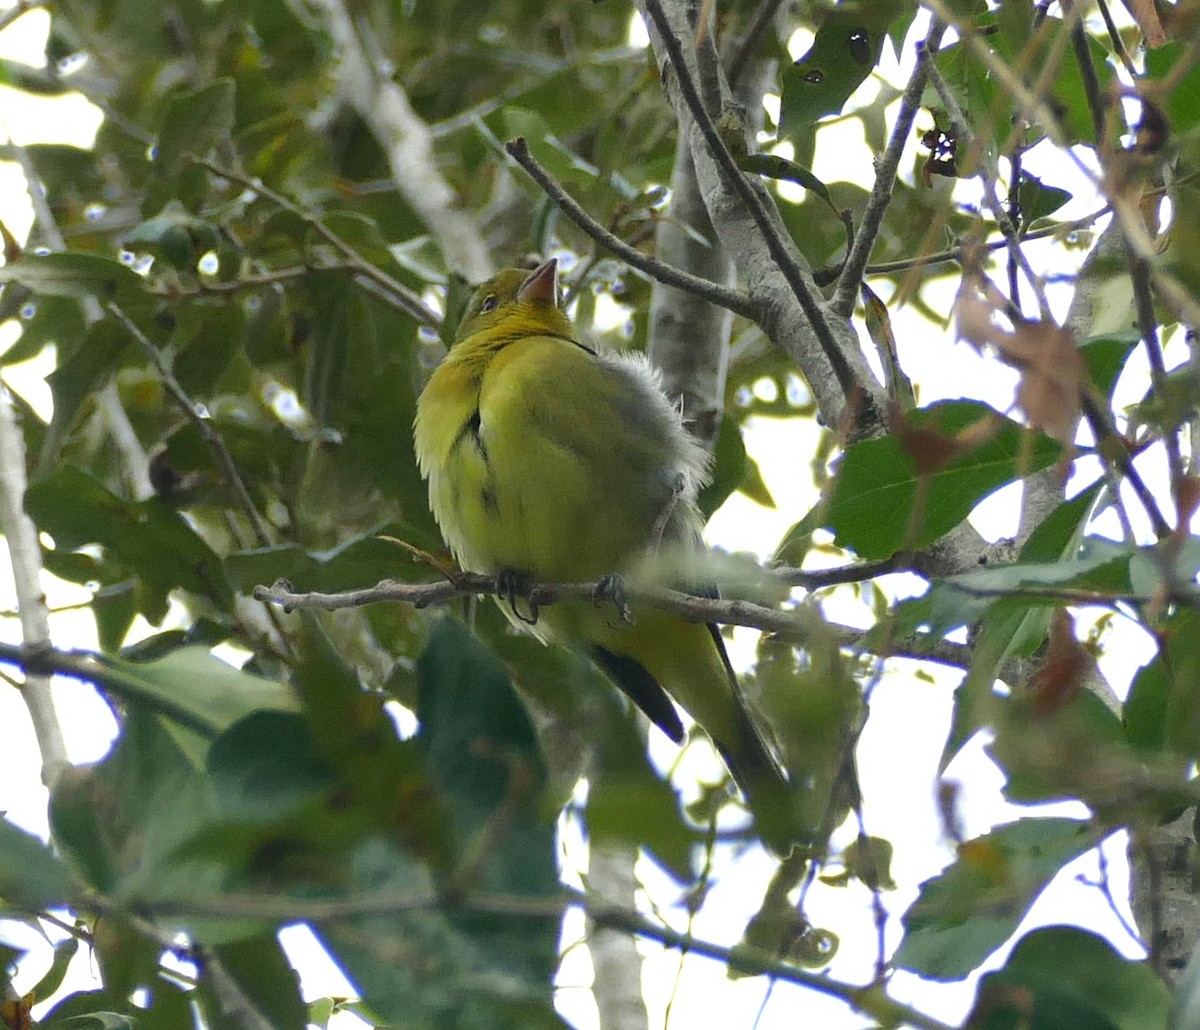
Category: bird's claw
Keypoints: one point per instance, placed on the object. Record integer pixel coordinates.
(512, 585)
(610, 589)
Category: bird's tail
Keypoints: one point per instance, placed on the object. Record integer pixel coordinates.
(769, 794)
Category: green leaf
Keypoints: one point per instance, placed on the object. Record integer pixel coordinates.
(1065, 978)
(194, 689)
(773, 166)
(32, 877)
(176, 236)
(1009, 630)
(45, 320)
(127, 958)
(627, 801)
(359, 561)
(966, 912)
(1037, 200)
(122, 822)
(64, 952)
(76, 275)
(1103, 567)
(92, 1021)
(355, 738)
(476, 733)
(878, 476)
(455, 981)
(1145, 709)
(194, 122)
(843, 54)
(733, 469)
(483, 755)
(1180, 651)
(1106, 356)
(150, 538)
(1072, 748)
(170, 1008)
(1180, 103)
(264, 766)
(263, 975)
(81, 372)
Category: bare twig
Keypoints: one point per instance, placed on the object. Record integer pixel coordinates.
(1139, 271)
(749, 43)
(734, 300)
(886, 167)
(135, 465)
(957, 254)
(816, 579)
(401, 295)
(866, 998)
(214, 440)
(787, 624)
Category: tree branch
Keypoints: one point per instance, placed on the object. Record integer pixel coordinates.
(799, 281)
(846, 294)
(406, 143)
(401, 295)
(660, 271)
(869, 999)
(25, 554)
(214, 440)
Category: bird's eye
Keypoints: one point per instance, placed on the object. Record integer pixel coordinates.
(489, 303)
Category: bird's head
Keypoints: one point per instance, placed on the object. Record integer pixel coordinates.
(516, 302)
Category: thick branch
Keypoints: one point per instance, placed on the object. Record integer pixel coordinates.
(823, 345)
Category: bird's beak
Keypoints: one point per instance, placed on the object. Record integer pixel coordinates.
(542, 284)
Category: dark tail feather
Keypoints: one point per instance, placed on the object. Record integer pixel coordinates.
(769, 794)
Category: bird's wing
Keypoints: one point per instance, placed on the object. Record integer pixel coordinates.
(586, 456)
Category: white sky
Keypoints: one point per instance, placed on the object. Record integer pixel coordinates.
(909, 720)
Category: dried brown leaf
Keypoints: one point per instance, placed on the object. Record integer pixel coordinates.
(1063, 669)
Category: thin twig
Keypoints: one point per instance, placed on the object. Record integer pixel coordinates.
(1099, 419)
(857, 572)
(714, 293)
(367, 85)
(846, 294)
(214, 440)
(749, 43)
(990, 174)
(1087, 72)
(217, 287)
(134, 462)
(1139, 272)
(405, 299)
(1114, 37)
(866, 998)
(956, 254)
(795, 276)
(788, 624)
(1104, 884)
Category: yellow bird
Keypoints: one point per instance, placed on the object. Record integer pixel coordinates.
(548, 460)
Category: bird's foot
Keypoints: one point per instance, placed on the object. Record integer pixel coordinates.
(610, 589)
(513, 586)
